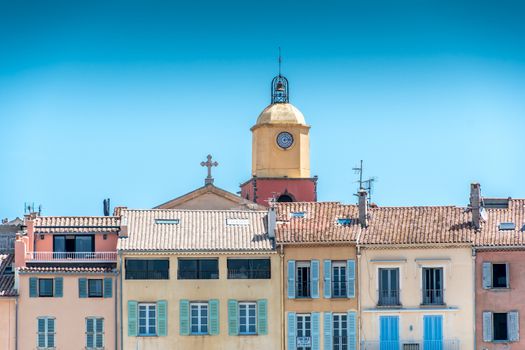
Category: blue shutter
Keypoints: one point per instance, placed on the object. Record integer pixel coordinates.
(99, 328)
(513, 326)
(132, 318)
(327, 270)
(327, 330)
(90, 330)
(262, 317)
(33, 288)
(291, 331)
(350, 275)
(214, 316)
(315, 330)
(291, 279)
(351, 319)
(82, 288)
(50, 332)
(59, 287)
(233, 322)
(108, 287)
(184, 317)
(162, 321)
(41, 332)
(314, 279)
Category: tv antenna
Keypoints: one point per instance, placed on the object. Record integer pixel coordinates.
(367, 184)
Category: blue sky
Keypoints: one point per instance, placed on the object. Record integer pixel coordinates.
(123, 99)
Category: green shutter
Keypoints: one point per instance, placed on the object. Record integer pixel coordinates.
(50, 332)
(108, 287)
(41, 332)
(59, 287)
(262, 317)
(132, 318)
(214, 316)
(99, 328)
(90, 330)
(184, 317)
(162, 310)
(33, 288)
(82, 288)
(233, 322)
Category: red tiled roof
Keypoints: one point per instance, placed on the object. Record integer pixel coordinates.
(66, 224)
(491, 236)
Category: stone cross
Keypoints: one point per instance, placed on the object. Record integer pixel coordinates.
(209, 164)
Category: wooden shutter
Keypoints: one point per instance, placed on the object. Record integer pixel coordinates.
(487, 326)
(314, 278)
(350, 278)
(90, 333)
(327, 271)
(214, 316)
(513, 326)
(82, 288)
(162, 320)
(233, 321)
(262, 317)
(59, 287)
(292, 331)
(184, 317)
(487, 275)
(99, 329)
(316, 320)
(291, 279)
(33, 289)
(132, 318)
(41, 332)
(50, 332)
(108, 287)
(327, 330)
(351, 330)
(507, 271)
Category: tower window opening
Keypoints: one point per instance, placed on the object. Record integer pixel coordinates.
(285, 198)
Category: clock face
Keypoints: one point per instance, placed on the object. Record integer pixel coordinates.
(284, 140)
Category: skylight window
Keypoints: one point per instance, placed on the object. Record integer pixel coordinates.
(507, 226)
(345, 221)
(167, 221)
(237, 222)
(298, 214)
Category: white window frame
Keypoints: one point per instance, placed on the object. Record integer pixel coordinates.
(148, 306)
(95, 334)
(302, 317)
(46, 333)
(247, 304)
(339, 264)
(303, 264)
(342, 326)
(200, 306)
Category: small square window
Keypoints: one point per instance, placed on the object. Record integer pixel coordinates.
(298, 214)
(95, 288)
(507, 226)
(45, 287)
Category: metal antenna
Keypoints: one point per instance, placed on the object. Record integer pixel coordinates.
(359, 170)
(367, 184)
(280, 61)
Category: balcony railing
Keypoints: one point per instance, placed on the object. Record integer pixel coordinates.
(433, 297)
(446, 344)
(72, 257)
(389, 297)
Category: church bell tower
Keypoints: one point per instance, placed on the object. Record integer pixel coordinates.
(280, 152)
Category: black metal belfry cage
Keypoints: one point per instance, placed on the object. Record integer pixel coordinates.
(280, 90)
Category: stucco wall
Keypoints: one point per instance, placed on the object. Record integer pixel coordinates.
(458, 314)
(501, 300)
(173, 290)
(208, 201)
(7, 323)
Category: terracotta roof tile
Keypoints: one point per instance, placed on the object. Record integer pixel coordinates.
(64, 269)
(7, 281)
(491, 236)
(61, 224)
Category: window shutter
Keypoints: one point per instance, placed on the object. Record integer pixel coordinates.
(314, 278)
(41, 332)
(327, 270)
(50, 332)
(350, 276)
(82, 288)
(162, 320)
(90, 330)
(214, 316)
(132, 318)
(291, 279)
(184, 317)
(351, 319)
(262, 317)
(291, 331)
(315, 330)
(108, 287)
(233, 325)
(99, 328)
(487, 275)
(327, 330)
(487, 326)
(513, 326)
(507, 268)
(59, 287)
(33, 289)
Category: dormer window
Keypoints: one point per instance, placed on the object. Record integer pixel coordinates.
(507, 226)
(167, 221)
(237, 222)
(298, 214)
(345, 221)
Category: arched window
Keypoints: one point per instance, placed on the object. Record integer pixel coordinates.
(285, 198)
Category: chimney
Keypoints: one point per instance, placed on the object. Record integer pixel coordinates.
(475, 204)
(272, 221)
(363, 207)
(123, 226)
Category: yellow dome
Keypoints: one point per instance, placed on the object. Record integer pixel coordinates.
(281, 113)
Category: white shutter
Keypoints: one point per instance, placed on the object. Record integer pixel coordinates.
(513, 326)
(487, 326)
(487, 275)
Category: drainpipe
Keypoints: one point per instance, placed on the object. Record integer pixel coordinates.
(283, 328)
(116, 312)
(121, 306)
(474, 294)
(358, 295)
(16, 322)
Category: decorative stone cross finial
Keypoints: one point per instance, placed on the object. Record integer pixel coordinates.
(209, 164)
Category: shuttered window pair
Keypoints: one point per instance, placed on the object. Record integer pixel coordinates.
(498, 327)
(94, 333)
(247, 317)
(46, 287)
(495, 275)
(147, 319)
(46, 333)
(93, 288)
(339, 279)
(199, 318)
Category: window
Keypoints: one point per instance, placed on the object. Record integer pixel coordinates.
(247, 318)
(73, 246)
(95, 288)
(45, 287)
(500, 326)
(433, 286)
(389, 287)
(499, 276)
(198, 269)
(304, 332)
(199, 318)
(339, 279)
(46, 333)
(302, 277)
(167, 221)
(147, 269)
(147, 319)
(297, 214)
(248, 268)
(340, 332)
(94, 333)
(345, 221)
(507, 226)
